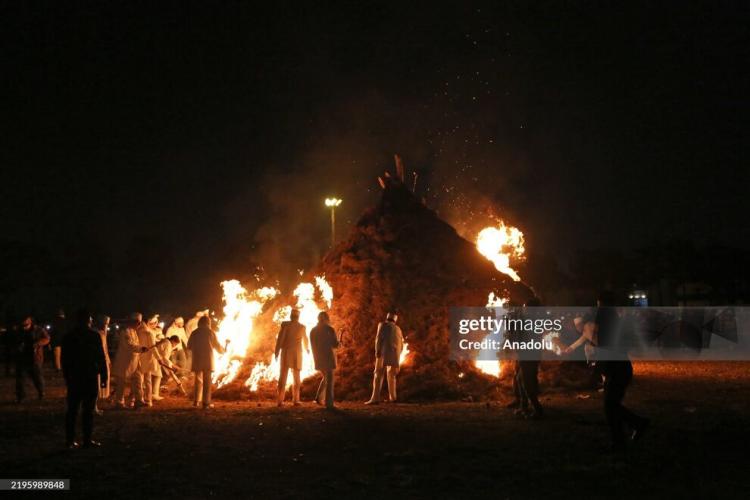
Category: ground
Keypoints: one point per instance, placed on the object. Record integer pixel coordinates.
(695, 448)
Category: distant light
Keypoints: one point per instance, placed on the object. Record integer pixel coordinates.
(333, 202)
(48, 327)
(117, 327)
(631, 296)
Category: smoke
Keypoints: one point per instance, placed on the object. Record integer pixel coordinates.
(466, 174)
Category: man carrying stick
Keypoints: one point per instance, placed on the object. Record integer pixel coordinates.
(165, 348)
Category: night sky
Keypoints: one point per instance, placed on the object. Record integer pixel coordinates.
(210, 136)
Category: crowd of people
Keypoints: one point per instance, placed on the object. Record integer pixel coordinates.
(138, 355)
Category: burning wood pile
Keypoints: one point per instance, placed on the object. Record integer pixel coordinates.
(402, 256)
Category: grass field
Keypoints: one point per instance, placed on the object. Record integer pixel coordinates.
(696, 447)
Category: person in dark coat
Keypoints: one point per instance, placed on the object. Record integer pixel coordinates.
(528, 368)
(202, 343)
(324, 342)
(30, 346)
(618, 373)
(513, 334)
(84, 367)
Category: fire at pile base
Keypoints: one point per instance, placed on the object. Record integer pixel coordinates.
(402, 256)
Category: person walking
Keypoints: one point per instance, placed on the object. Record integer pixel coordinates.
(389, 342)
(292, 337)
(30, 357)
(618, 373)
(324, 343)
(202, 344)
(85, 366)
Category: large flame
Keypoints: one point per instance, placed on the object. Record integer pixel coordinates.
(500, 244)
(488, 366)
(240, 310)
(308, 307)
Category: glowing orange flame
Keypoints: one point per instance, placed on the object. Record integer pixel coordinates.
(404, 355)
(240, 310)
(308, 307)
(500, 244)
(489, 366)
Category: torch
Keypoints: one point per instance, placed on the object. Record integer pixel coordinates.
(332, 203)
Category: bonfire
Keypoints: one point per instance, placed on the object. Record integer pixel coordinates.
(400, 255)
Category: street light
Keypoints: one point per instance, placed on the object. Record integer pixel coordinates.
(332, 203)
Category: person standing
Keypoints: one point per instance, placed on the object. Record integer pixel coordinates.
(324, 342)
(192, 323)
(177, 329)
(148, 365)
(292, 337)
(57, 332)
(202, 344)
(528, 365)
(30, 357)
(103, 329)
(389, 342)
(190, 327)
(84, 365)
(127, 358)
